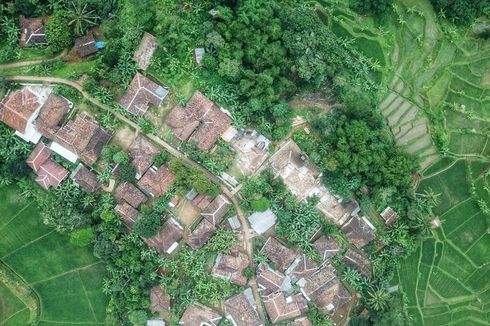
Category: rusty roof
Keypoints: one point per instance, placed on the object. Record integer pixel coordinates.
(389, 216)
(216, 210)
(85, 45)
(269, 280)
(358, 231)
(156, 182)
(198, 314)
(142, 153)
(85, 178)
(359, 261)
(51, 115)
(141, 93)
(159, 300)
(32, 30)
(281, 256)
(144, 53)
(231, 267)
(201, 234)
(326, 247)
(241, 311)
(126, 191)
(128, 213)
(18, 108)
(166, 240)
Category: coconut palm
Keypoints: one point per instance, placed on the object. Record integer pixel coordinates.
(378, 299)
(81, 17)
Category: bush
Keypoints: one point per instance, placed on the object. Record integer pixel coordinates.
(461, 12)
(82, 237)
(375, 7)
(248, 272)
(147, 225)
(57, 32)
(126, 172)
(120, 157)
(260, 205)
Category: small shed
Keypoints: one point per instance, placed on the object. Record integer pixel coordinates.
(262, 221)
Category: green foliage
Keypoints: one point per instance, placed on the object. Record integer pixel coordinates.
(82, 237)
(68, 92)
(147, 225)
(319, 319)
(222, 241)
(260, 205)
(191, 178)
(248, 272)
(80, 18)
(138, 317)
(375, 7)
(217, 162)
(186, 280)
(378, 299)
(162, 158)
(126, 172)
(9, 32)
(120, 157)
(57, 33)
(461, 12)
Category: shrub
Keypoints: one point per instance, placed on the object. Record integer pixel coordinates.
(120, 157)
(260, 205)
(57, 33)
(248, 272)
(82, 237)
(127, 172)
(147, 225)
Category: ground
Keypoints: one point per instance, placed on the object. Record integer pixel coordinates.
(67, 279)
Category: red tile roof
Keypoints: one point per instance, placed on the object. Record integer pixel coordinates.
(142, 153)
(358, 231)
(169, 235)
(241, 311)
(85, 45)
(326, 247)
(49, 173)
(280, 255)
(198, 314)
(18, 108)
(126, 191)
(268, 280)
(128, 213)
(279, 307)
(200, 121)
(201, 234)
(86, 179)
(231, 267)
(157, 182)
(51, 115)
(141, 93)
(216, 210)
(39, 155)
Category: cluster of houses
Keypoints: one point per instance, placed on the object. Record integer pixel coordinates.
(287, 283)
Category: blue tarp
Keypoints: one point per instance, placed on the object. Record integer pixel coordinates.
(99, 44)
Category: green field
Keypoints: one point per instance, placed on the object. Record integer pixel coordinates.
(66, 279)
(436, 98)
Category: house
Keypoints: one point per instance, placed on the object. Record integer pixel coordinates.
(85, 45)
(128, 213)
(142, 153)
(201, 122)
(155, 322)
(19, 110)
(81, 138)
(198, 314)
(145, 51)
(201, 234)
(326, 247)
(126, 191)
(241, 310)
(52, 114)
(252, 150)
(159, 300)
(142, 93)
(358, 260)
(262, 221)
(32, 31)
(281, 256)
(325, 290)
(389, 216)
(202, 201)
(270, 281)
(216, 210)
(85, 179)
(157, 181)
(302, 267)
(279, 307)
(167, 239)
(199, 55)
(230, 268)
(234, 223)
(359, 230)
(49, 173)
(304, 180)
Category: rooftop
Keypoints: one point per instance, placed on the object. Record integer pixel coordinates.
(262, 221)
(317, 280)
(156, 182)
(85, 45)
(200, 121)
(270, 281)
(242, 311)
(51, 115)
(252, 149)
(19, 109)
(303, 267)
(279, 307)
(201, 234)
(141, 93)
(281, 256)
(128, 213)
(32, 30)
(159, 299)
(359, 231)
(326, 247)
(389, 216)
(126, 191)
(84, 137)
(302, 321)
(359, 261)
(86, 179)
(167, 239)
(198, 314)
(143, 153)
(231, 267)
(216, 210)
(144, 53)
(49, 173)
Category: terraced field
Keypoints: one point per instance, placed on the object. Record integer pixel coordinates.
(66, 279)
(436, 100)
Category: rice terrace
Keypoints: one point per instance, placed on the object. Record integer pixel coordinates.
(47, 280)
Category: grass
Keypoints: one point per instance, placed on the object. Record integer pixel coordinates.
(12, 310)
(67, 279)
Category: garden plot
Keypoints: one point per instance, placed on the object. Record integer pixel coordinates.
(67, 279)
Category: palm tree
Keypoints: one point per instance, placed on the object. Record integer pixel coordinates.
(81, 18)
(378, 299)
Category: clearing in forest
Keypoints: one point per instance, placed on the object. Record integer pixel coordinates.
(67, 279)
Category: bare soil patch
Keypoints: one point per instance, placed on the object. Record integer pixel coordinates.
(124, 136)
(187, 213)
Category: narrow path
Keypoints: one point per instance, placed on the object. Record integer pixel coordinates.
(33, 62)
(67, 272)
(247, 236)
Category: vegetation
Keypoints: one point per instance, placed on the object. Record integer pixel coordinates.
(191, 178)
(462, 12)
(147, 225)
(217, 162)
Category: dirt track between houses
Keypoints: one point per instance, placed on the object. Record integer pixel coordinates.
(247, 236)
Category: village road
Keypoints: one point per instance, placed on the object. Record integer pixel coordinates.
(33, 62)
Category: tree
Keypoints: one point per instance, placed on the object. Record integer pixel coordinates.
(260, 205)
(120, 157)
(461, 12)
(57, 35)
(147, 225)
(126, 172)
(82, 237)
(378, 299)
(375, 7)
(222, 241)
(138, 317)
(80, 17)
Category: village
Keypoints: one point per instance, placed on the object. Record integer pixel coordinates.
(282, 289)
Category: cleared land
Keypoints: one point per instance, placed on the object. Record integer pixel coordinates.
(67, 279)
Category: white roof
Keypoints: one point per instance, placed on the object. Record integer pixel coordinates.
(68, 155)
(262, 221)
(155, 322)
